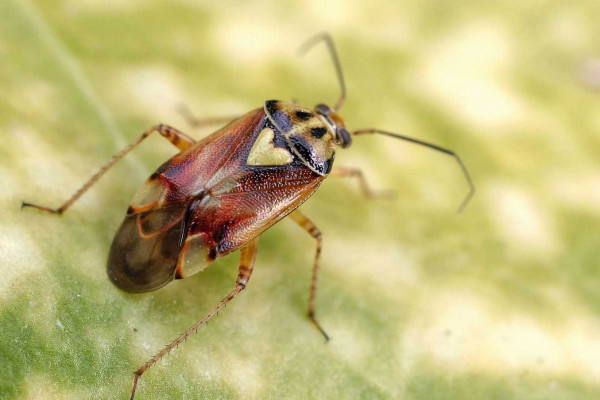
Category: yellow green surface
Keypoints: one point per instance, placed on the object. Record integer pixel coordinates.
(501, 302)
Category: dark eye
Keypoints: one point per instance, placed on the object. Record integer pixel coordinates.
(344, 137)
(322, 109)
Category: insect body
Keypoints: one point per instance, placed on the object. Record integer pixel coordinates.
(219, 194)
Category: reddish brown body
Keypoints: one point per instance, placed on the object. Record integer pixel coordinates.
(203, 203)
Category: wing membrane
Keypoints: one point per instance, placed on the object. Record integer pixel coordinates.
(144, 253)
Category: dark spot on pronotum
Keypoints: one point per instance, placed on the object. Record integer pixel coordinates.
(303, 115)
(279, 140)
(303, 149)
(154, 176)
(129, 210)
(318, 132)
(307, 154)
(271, 106)
(280, 118)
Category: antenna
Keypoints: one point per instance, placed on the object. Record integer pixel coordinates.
(433, 147)
(325, 37)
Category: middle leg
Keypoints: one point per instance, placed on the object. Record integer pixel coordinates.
(349, 172)
(311, 228)
(196, 122)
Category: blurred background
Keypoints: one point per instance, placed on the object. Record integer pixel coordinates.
(500, 302)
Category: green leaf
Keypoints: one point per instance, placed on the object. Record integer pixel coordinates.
(501, 302)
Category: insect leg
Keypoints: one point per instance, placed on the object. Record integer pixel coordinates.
(308, 226)
(248, 256)
(196, 122)
(349, 172)
(433, 147)
(177, 138)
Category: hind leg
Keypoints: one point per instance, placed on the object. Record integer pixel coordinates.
(248, 256)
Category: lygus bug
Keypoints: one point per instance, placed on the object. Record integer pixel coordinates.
(219, 194)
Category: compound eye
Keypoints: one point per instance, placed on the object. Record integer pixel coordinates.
(322, 109)
(344, 137)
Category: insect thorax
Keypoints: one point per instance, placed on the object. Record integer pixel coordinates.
(308, 134)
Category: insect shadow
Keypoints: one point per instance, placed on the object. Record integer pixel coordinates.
(217, 195)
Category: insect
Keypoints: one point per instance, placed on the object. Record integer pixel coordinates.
(219, 194)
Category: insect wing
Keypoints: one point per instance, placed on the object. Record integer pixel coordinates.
(144, 253)
(248, 203)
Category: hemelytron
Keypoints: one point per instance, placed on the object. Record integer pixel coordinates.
(217, 195)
